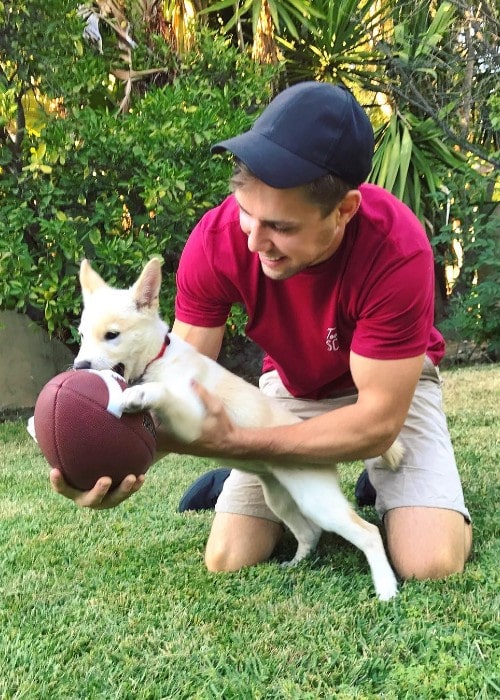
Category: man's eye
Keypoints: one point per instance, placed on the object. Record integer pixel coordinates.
(111, 335)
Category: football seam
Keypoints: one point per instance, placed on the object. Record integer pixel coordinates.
(56, 433)
(100, 406)
(141, 437)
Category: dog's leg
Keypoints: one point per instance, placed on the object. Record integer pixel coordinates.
(143, 397)
(181, 414)
(318, 495)
(306, 532)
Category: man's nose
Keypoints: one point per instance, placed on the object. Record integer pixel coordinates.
(258, 240)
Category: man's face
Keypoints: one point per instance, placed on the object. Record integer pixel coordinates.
(287, 232)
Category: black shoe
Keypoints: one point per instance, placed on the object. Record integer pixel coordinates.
(204, 492)
(364, 492)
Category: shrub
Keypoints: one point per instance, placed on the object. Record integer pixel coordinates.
(472, 313)
(119, 189)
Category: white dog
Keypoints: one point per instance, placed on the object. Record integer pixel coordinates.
(123, 328)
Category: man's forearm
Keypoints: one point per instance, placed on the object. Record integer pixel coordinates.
(340, 435)
(332, 437)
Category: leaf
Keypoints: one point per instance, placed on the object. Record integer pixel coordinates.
(78, 47)
(394, 160)
(382, 158)
(424, 167)
(95, 236)
(405, 159)
(41, 150)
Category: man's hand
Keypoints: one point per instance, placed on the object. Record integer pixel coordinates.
(218, 435)
(99, 497)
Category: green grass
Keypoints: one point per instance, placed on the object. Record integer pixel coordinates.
(115, 605)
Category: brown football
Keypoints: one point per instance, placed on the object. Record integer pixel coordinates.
(81, 430)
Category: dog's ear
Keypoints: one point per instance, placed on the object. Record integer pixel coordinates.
(89, 279)
(147, 288)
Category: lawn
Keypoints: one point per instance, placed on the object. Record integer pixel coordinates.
(117, 605)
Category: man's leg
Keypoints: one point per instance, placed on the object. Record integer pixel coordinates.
(428, 528)
(429, 534)
(423, 542)
(237, 540)
(427, 543)
(244, 531)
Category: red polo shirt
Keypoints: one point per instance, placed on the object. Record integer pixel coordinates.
(374, 296)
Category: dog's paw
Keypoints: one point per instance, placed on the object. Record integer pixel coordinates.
(293, 562)
(394, 455)
(136, 398)
(289, 564)
(387, 589)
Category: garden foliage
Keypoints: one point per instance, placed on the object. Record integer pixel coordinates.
(105, 146)
(116, 188)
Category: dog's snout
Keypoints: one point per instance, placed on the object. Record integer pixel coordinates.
(82, 364)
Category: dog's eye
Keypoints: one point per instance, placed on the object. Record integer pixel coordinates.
(111, 335)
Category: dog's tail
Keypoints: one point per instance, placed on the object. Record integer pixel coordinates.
(394, 455)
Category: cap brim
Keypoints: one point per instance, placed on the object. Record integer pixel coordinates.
(269, 162)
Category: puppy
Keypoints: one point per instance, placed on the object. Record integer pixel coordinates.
(123, 329)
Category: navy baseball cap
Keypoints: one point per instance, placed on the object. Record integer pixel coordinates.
(308, 130)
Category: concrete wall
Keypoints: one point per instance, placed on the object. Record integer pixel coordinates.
(28, 359)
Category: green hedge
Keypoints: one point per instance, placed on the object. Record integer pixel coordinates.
(119, 189)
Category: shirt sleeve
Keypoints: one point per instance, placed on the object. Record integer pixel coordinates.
(398, 310)
(202, 299)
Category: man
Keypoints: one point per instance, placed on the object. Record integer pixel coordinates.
(337, 280)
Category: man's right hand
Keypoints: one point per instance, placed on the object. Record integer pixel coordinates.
(100, 496)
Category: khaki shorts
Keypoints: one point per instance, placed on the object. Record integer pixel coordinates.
(427, 477)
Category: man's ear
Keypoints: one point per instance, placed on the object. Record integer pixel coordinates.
(349, 206)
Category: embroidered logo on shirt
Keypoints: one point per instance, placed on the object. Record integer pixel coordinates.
(332, 340)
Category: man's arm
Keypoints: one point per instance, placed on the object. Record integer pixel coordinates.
(361, 430)
(208, 341)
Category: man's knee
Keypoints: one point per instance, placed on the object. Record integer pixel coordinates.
(222, 554)
(237, 541)
(427, 543)
(219, 559)
(436, 565)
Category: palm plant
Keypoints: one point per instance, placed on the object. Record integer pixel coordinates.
(269, 19)
(412, 161)
(389, 55)
(413, 154)
(344, 44)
